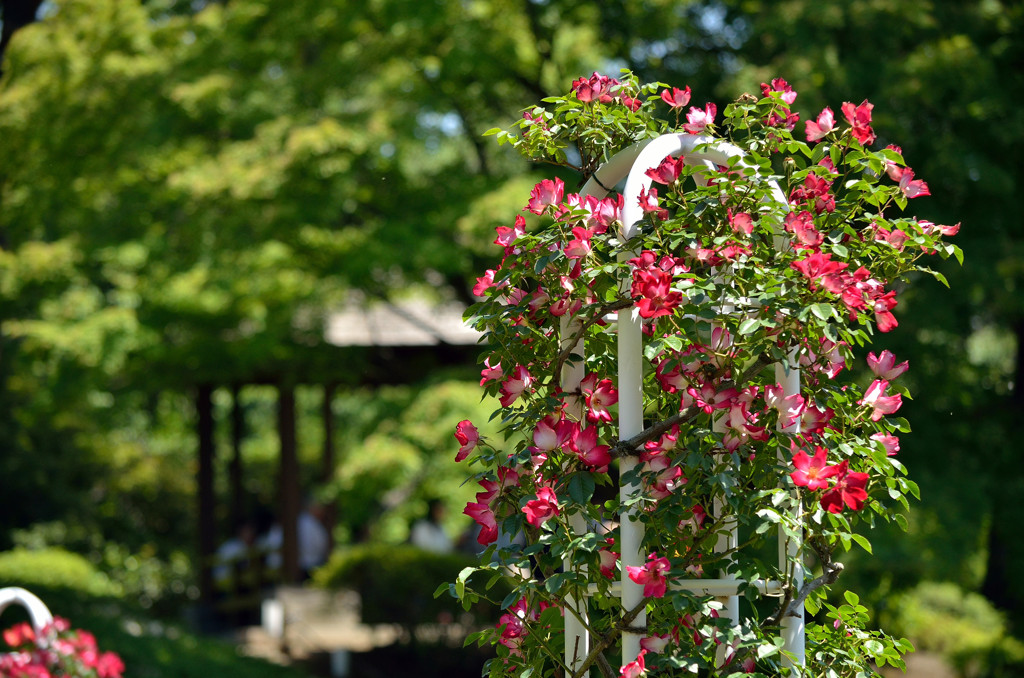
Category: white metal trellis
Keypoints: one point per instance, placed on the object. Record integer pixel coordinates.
(631, 164)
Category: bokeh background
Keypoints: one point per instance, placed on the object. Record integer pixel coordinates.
(191, 191)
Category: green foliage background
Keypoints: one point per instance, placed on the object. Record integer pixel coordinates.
(188, 188)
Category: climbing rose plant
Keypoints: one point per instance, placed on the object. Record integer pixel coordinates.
(729, 280)
(57, 650)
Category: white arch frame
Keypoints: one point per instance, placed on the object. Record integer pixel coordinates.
(37, 610)
(632, 163)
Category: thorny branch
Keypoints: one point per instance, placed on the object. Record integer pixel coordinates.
(605, 641)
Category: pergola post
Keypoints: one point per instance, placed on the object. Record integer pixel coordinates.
(235, 470)
(288, 488)
(327, 462)
(207, 543)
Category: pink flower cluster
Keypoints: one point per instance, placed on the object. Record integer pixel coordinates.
(58, 650)
(695, 373)
(605, 90)
(511, 624)
(483, 509)
(847, 487)
(860, 291)
(553, 436)
(781, 116)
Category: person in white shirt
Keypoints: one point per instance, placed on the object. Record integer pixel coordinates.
(314, 543)
(311, 535)
(428, 534)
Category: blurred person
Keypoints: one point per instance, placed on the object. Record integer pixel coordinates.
(235, 552)
(314, 542)
(428, 534)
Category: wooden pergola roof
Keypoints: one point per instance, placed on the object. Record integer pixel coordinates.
(396, 335)
(405, 323)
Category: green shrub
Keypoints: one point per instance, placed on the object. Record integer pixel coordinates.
(52, 567)
(961, 626)
(159, 583)
(397, 583)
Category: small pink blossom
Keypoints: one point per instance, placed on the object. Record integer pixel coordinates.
(508, 235)
(580, 246)
(859, 118)
(608, 559)
(801, 224)
(648, 201)
(677, 98)
(512, 624)
(817, 266)
(697, 120)
(484, 283)
(815, 420)
(780, 87)
(911, 187)
(662, 446)
(709, 398)
(595, 88)
(884, 366)
(790, 407)
(741, 222)
(468, 436)
(514, 385)
(634, 669)
(538, 511)
(552, 433)
(931, 228)
(668, 171)
(482, 514)
(651, 575)
(848, 490)
(545, 194)
(490, 373)
(655, 644)
(880, 403)
(882, 306)
(812, 473)
(599, 396)
(657, 296)
(667, 479)
(820, 129)
(890, 442)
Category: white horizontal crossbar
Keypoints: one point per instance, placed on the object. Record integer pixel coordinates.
(707, 587)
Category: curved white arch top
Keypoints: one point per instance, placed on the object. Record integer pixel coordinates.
(37, 611)
(633, 162)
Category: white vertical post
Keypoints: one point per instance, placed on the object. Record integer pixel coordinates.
(631, 422)
(577, 640)
(790, 548)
